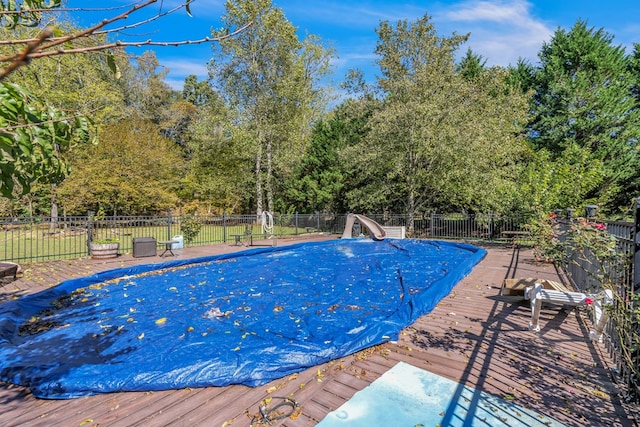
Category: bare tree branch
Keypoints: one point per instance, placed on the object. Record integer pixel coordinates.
(24, 57)
(91, 30)
(45, 45)
(144, 22)
(105, 46)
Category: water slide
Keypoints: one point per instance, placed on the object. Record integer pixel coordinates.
(376, 231)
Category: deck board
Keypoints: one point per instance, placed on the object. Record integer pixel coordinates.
(473, 336)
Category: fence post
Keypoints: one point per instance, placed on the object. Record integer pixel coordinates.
(636, 249)
(224, 227)
(492, 225)
(89, 227)
(318, 221)
(295, 216)
(431, 231)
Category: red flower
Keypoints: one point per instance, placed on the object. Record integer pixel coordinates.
(588, 301)
(599, 226)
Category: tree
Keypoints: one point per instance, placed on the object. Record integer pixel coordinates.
(176, 121)
(440, 139)
(31, 137)
(32, 134)
(634, 68)
(148, 96)
(583, 102)
(471, 65)
(270, 79)
(198, 93)
(322, 177)
(133, 171)
(631, 184)
(219, 154)
(62, 82)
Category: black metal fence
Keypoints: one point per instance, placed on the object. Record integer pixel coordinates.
(623, 328)
(33, 239)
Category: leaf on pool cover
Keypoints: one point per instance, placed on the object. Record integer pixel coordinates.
(599, 393)
(161, 321)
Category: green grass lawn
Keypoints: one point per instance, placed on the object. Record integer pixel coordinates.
(38, 243)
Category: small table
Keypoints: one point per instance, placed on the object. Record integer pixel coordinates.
(168, 247)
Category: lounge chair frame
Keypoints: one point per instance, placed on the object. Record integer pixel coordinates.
(537, 294)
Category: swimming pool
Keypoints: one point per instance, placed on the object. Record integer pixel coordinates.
(242, 318)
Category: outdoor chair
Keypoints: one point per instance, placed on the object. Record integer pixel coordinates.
(537, 294)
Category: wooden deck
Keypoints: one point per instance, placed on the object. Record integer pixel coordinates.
(473, 337)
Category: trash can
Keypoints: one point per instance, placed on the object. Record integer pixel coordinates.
(180, 242)
(144, 246)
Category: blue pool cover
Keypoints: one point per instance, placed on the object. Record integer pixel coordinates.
(243, 318)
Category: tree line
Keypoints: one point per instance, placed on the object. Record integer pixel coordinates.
(437, 131)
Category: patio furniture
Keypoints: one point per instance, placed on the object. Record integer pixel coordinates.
(8, 269)
(168, 247)
(248, 236)
(144, 247)
(537, 294)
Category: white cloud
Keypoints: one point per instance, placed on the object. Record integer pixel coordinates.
(502, 31)
(353, 17)
(495, 11)
(182, 67)
(175, 84)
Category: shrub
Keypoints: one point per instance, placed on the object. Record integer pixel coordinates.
(190, 228)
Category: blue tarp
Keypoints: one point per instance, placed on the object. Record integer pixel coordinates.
(243, 318)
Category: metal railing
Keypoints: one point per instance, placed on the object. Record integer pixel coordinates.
(34, 239)
(623, 329)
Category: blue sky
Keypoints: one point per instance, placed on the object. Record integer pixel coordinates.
(500, 30)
